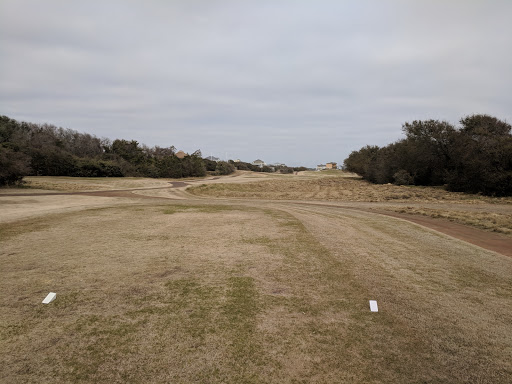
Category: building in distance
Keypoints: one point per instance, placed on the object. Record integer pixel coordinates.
(259, 163)
(331, 165)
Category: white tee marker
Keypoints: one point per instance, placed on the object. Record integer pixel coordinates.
(48, 299)
(373, 306)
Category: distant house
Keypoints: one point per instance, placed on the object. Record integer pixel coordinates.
(331, 166)
(321, 167)
(181, 154)
(213, 158)
(259, 163)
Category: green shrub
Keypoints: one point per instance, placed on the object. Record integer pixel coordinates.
(224, 168)
(402, 177)
(13, 166)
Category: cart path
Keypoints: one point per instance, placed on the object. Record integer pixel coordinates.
(484, 239)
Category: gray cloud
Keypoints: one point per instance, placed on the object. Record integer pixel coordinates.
(300, 82)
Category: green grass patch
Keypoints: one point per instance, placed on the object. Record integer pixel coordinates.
(240, 311)
(105, 339)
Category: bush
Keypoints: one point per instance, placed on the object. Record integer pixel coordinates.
(193, 165)
(241, 166)
(13, 166)
(224, 168)
(210, 165)
(402, 177)
(96, 168)
(286, 170)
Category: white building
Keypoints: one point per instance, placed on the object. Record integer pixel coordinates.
(259, 163)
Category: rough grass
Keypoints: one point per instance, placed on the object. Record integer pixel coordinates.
(351, 189)
(222, 293)
(441, 299)
(500, 222)
(74, 184)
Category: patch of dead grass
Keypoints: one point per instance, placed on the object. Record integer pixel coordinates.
(441, 298)
(222, 293)
(337, 189)
(354, 190)
(78, 184)
(490, 221)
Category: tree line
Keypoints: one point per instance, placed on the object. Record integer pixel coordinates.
(284, 169)
(47, 150)
(475, 157)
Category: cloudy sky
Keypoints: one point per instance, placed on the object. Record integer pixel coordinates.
(299, 82)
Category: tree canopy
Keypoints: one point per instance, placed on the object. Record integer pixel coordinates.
(46, 150)
(475, 157)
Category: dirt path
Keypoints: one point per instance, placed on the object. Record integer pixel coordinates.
(487, 240)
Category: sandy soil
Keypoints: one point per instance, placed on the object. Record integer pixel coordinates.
(23, 207)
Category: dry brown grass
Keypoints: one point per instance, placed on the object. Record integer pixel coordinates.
(351, 189)
(15, 208)
(72, 184)
(500, 222)
(251, 291)
(441, 298)
(194, 292)
(488, 213)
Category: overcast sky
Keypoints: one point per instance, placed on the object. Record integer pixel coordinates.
(298, 82)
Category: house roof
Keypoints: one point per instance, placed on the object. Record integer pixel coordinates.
(180, 154)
